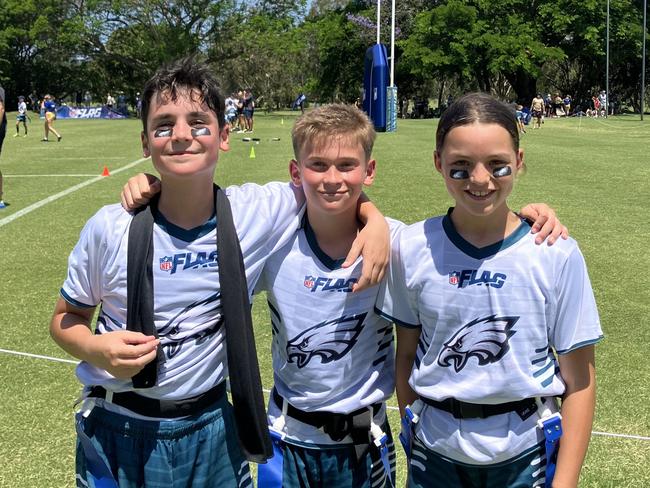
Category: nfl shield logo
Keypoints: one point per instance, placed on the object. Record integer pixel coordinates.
(453, 278)
(309, 282)
(166, 263)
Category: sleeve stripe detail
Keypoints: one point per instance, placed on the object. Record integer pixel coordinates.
(396, 321)
(581, 344)
(72, 301)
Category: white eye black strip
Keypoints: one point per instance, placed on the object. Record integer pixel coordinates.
(459, 174)
(162, 133)
(502, 171)
(202, 131)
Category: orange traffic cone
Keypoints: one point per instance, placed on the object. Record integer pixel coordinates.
(105, 172)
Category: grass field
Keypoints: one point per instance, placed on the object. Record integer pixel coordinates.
(595, 173)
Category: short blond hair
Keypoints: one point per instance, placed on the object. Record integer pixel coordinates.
(327, 122)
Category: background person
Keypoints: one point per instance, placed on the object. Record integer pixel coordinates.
(50, 116)
(3, 132)
(537, 107)
(248, 110)
(21, 116)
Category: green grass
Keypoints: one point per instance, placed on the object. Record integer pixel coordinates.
(595, 173)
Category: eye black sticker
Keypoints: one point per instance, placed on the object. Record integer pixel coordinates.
(502, 171)
(162, 133)
(202, 131)
(459, 174)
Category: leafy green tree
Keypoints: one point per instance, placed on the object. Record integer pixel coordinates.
(266, 56)
(33, 51)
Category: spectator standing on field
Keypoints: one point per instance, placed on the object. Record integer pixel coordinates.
(537, 111)
(110, 101)
(3, 131)
(596, 101)
(567, 104)
(50, 115)
(22, 116)
(558, 106)
(249, 108)
(602, 98)
(548, 105)
(231, 110)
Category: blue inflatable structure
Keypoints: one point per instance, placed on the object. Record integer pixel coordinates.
(375, 81)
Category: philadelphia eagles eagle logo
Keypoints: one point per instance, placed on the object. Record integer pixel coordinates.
(486, 339)
(330, 340)
(197, 322)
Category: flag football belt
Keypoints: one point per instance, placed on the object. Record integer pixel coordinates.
(336, 425)
(152, 407)
(359, 425)
(464, 410)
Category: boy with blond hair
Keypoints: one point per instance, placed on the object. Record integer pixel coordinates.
(332, 354)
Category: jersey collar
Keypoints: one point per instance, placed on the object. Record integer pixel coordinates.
(187, 235)
(482, 252)
(329, 263)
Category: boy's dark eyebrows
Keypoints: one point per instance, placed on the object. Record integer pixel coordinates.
(199, 113)
(170, 116)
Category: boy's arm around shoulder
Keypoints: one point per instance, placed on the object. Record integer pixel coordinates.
(545, 223)
(138, 190)
(122, 353)
(373, 242)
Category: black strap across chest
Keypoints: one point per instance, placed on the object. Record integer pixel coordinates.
(245, 382)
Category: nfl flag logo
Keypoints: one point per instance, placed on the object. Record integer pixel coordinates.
(166, 263)
(309, 282)
(453, 278)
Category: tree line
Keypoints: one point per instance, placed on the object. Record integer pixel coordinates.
(512, 48)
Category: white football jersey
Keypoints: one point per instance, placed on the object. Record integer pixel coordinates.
(187, 301)
(492, 320)
(331, 350)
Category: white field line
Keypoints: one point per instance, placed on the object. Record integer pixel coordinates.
(49, 176)
(38, 356)
(267, 391)
(80, 158)
(37, 205)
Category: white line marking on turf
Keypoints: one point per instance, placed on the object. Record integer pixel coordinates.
(37, 205)
(268, 392)
(49, 358)
(625, 436)
(84, 158)
(46, 176)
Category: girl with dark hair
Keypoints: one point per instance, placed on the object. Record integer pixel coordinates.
(492, 329)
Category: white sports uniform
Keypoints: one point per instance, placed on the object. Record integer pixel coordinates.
(491, 320)
(187, 304)
(331, 351)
